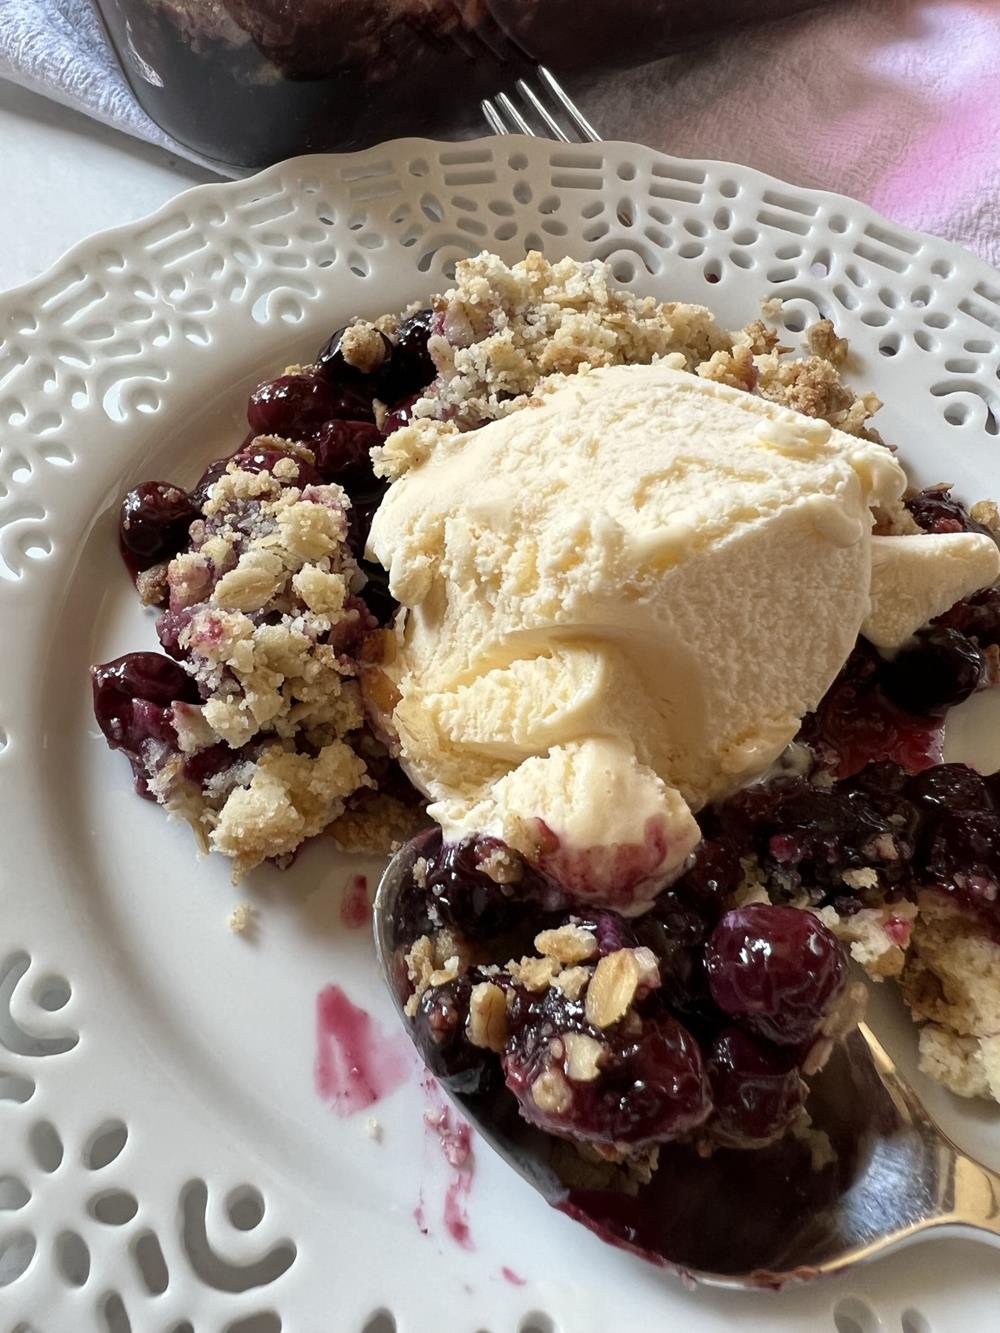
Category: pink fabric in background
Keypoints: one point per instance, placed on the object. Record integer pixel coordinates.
(894, 103)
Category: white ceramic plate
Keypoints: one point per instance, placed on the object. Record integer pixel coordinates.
(166, 1162)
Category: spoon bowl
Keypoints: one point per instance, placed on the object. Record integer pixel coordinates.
(872, 1173)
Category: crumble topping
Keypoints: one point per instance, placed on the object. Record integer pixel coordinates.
(254, 607)
(877, 937)
(488, 1016)
(568, 945)
(952, 974)
(290, 797)
(824, 342)
(813, 386)
(375, 822)
(242, 919)
(504, 331)
(433, 962)
(968, 1066)
(616, 983)
(361, 346)
(373, 1128)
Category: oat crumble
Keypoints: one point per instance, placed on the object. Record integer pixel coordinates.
(242, 919)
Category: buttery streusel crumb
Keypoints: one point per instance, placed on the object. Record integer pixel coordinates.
(534, 974)
(361, 346)
(813, 386)
(242, 919)
(509, 333)
(266, 578)
(882, 954)
(987, 513)
(568, 944)
(488, 1016)
(968, 1066)
(952, 974)
(374, 822)
(735, 368)
(506, 328)
(572, 980)
(823, 342)
(502, 866)
(151, 585)
(419, 969)
(290, 797)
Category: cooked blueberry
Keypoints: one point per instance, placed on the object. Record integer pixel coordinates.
(756, 1089)
(935, 510)
(209, 477)
(468, 899)
(351, 405)
(963, 857)
(642, 1086)
(856, 723)
(337, 370)
(256, 458)
(377, 597)
(133, 697)
(676, 933)
(412, 365)
(401, 414)
(978, 617)
(342, 449)
(777, 970)
(292, 407)
(938, 670)
(440, 1031)
(154, 522)
(950, 786)
(715, 874)
(148, 676)
(362, 512)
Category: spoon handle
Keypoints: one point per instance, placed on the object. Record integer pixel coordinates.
(976, 1198)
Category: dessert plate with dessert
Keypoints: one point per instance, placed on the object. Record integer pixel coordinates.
(616, 535)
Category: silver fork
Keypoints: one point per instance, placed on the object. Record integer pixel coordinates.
(504, 117)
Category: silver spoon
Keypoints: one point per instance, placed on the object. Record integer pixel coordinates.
(756, 1218)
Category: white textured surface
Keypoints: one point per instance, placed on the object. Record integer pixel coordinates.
(65, 177)
(131, 359)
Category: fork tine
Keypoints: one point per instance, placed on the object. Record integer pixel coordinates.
(577, 116)
(504, 116)
(542, 111)
(508, 106)
(493, 116)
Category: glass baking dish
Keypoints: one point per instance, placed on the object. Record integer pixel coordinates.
(248, 82)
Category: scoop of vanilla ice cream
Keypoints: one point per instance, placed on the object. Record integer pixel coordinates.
(916, 579)
(620, 603)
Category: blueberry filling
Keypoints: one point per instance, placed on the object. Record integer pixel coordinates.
(310, 428)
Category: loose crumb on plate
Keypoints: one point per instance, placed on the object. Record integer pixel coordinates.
(242, 919)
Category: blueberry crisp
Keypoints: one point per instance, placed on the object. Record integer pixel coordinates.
(461, 582)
